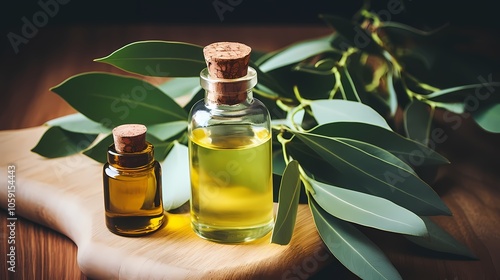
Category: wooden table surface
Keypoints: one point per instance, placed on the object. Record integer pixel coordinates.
(469, 186)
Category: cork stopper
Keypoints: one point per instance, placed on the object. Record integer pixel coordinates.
(227, 60)
(129, 138)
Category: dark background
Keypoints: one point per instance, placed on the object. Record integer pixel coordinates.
(424, 14)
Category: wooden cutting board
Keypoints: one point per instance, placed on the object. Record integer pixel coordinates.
(66, 195)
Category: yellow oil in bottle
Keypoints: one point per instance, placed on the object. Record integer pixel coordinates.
(132, 199)
(231, 183)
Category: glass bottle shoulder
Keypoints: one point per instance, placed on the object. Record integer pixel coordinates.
(253, 112)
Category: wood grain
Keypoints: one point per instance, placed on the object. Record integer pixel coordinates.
(469, 186)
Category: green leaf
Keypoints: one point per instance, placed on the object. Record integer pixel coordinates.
(406, 149)
(418, 121)
(351, 247)
(162, 148)
(164, 131)
(406, 29)
(326, 111)
(197, 97)
(79, 123)
(457, 107)
(368, 170)
(179, 87)
(322, 67)
(488, 117)
(57, 142)
(353, 34)
(267, 83)
(313, 86)
(99, 152)
(458, 93)
(423, 47)
(347, 86)
(393, 97)
(441, 241)
(279, 163)
(288, 202)
(158, 58)
(114, 100)
(295, 53)
(366, 210)
(176, 187)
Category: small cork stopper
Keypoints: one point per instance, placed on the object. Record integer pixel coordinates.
(129, 138)
(227, 60)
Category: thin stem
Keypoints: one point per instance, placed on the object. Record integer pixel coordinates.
(283, 141)
(336, 87)
(304, 178)
(271, 96)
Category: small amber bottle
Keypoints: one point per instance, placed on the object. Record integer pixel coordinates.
(132, 183)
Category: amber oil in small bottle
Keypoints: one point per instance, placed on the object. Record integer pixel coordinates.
(230, 151)
(132, 184)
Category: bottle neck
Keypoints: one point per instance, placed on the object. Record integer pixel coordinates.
(131, 160)
(228, 92)
(216, 100)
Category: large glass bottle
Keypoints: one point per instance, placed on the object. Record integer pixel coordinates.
(132, 184)
(230, 161)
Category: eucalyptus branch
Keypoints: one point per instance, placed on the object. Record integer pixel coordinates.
(336, 87)
(283, 141)
(271, 96)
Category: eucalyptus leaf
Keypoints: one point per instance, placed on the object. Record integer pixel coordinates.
(176, 187)
(488, 117)
(398, 35)
(78, 123)
(406, 149)
(267, 82)
(385, 179)
(99, 151)
(407, 29)
(418, 121)
(359, 73)
(459, 93)
(294, 118)
(326, 111)
(379, 153)
(354, 35)
(164, 131)
(158, 58)
(114, 99)
(366, 210)
(288, 202)
(57, 142)
(441, 241)
(456, 107)
(279, 163)
(393, 96)
(161, 148)
(295, 53)
(197, 97)
(322, 67)
(347, 86)
(311, 163)
(313, 86)
(178, 87)
(351, 247)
